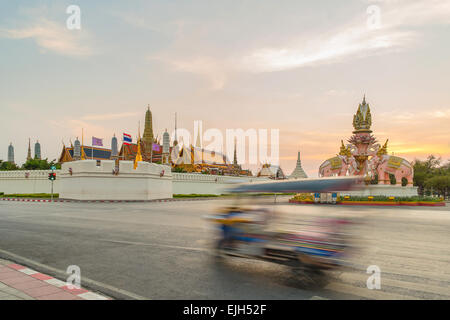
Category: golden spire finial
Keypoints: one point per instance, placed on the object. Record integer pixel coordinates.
(383, 149)
(344, 151)
(362, 120)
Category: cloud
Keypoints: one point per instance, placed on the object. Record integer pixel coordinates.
(398, 30)
(211, 68)
(53, 37)
(74, 128)
(431, 115)
(356, 39)
(109, 116)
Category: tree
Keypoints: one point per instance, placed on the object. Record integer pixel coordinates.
(4, 166)
(439, 183)
(36, 164)
(424, 170)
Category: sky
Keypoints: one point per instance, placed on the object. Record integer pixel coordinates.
(298, 66)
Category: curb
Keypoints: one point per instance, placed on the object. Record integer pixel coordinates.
(103, 201)
(79, 293)
(367, 203)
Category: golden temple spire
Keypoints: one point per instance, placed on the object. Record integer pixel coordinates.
(148, 137)
(383, 149)
(362, 120)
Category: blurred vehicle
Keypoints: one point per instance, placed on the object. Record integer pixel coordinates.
(253, 232)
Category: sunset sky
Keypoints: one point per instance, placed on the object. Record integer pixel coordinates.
(298, 66)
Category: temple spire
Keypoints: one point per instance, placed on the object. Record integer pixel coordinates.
(175, 140)
(148, 137)
(362, 120)
(298, 172)
(235, 162)
(29, 149)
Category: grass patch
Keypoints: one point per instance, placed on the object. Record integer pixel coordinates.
(30, 195)
(195, 195)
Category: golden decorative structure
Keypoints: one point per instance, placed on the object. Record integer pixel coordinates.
(362, 120)
(138, 154)
(383, 149)
(345, 151)
(336, 163)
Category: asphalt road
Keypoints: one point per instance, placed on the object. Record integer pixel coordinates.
(161, 251)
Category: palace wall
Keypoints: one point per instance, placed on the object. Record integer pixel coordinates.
(197, 183)
(92, 180)
(37, 181)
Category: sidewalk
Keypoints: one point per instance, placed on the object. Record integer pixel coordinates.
(20, 283)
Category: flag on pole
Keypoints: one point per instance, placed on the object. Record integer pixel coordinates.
(138, 154)
(97, 142)
(156, 147)
(83, 155)
(127, 139)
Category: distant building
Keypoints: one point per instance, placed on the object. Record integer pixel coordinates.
(166, 148)
(80, 152)
(114, 147)
(11, 153)
(151, 150)
(271, 171)
(148, 138)
(29, 150)
(298, 172)
(76, 154)
(37, 150)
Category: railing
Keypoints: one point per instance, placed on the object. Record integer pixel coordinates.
(26, 174)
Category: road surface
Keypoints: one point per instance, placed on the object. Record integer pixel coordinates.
(161, 251)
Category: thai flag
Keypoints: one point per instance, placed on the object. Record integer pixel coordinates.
(127, 139)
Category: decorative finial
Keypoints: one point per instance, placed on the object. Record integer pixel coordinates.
(362, 120)
(345, 151)
(383, 149)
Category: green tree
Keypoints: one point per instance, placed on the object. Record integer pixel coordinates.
(4, 166)
(36, 164)
(439, 184)
(424, 170)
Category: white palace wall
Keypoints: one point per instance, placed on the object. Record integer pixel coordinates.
(27, 181)
(91, 182)
(197, 183)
